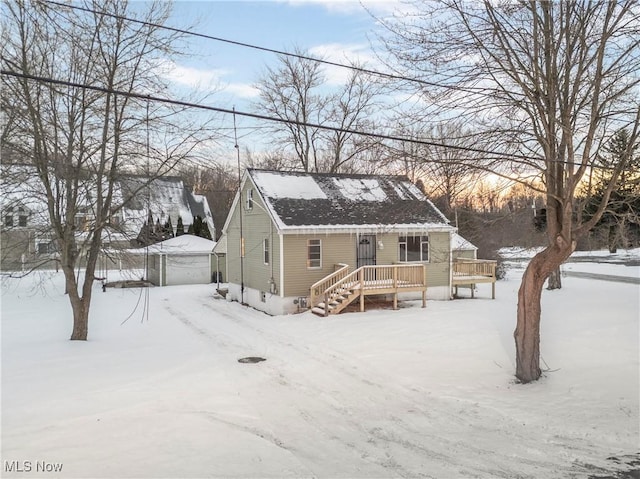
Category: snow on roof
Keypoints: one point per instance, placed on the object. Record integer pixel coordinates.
(166, 197)
(200, 206)
(183, 244)
(281, 185)
(360, 189)
(307, 201)
(459, 243)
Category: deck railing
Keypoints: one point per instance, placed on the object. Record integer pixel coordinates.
(463, 267)
(469, 272)
(318, 288)
(370, 279)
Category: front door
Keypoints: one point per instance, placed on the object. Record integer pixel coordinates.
(366, 250)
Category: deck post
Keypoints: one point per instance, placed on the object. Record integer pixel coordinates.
(424, 291)
(326, 304)
(361, 278)
(493, 290)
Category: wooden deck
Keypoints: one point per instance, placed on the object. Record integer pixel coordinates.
(469, 272)
(335, 292)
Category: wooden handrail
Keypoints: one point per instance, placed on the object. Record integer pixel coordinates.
(319, 287)
(370, 277)
(474, 267)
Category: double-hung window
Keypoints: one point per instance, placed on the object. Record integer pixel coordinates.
(314, 253)
(413, 248)
(265, 250)
(249, 199)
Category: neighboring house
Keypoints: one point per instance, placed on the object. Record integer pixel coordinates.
(166, 198)
(287, 231)
(27, 239)
(185, 259)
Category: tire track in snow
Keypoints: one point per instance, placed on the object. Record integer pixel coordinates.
(345, 413)
(441, 440)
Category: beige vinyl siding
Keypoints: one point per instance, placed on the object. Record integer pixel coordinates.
(256, 227)
(336, 248)
(464, 253)
(341, 248)
(439, 257)
(389, 252)
(438, 265)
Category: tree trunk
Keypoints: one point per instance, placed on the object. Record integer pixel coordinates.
(79, 304)
(613, 238)
(527, 333)
(80, 307)
(555, 279)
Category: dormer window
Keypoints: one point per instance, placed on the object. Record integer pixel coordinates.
(249, 199)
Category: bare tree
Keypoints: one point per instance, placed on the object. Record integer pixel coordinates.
(349, 110)
(289, 92)
(297, 92)
(448, 173)
(85, 131)
(549, 80)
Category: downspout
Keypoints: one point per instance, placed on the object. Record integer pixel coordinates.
(281, 265)
(217, 268)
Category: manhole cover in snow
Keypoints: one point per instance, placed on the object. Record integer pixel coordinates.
(251, 359)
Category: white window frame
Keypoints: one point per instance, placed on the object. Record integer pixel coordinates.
(249, 204)
(265, 250)
(314, 263)
(422, 241)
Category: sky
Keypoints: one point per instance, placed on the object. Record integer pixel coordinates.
(339, 31)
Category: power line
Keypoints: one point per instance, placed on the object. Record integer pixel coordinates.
(299, 56)
(381, 136)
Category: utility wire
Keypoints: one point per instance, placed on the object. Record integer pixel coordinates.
(389, 76)
(263, 117)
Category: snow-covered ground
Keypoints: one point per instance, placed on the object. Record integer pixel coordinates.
(382, 394)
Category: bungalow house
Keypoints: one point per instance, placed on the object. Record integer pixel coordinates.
(292, 236)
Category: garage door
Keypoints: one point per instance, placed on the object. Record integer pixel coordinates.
(191, 269)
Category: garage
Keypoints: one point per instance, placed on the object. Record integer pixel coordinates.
(185, 259)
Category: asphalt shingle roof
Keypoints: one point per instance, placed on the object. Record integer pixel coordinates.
(314, 199)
